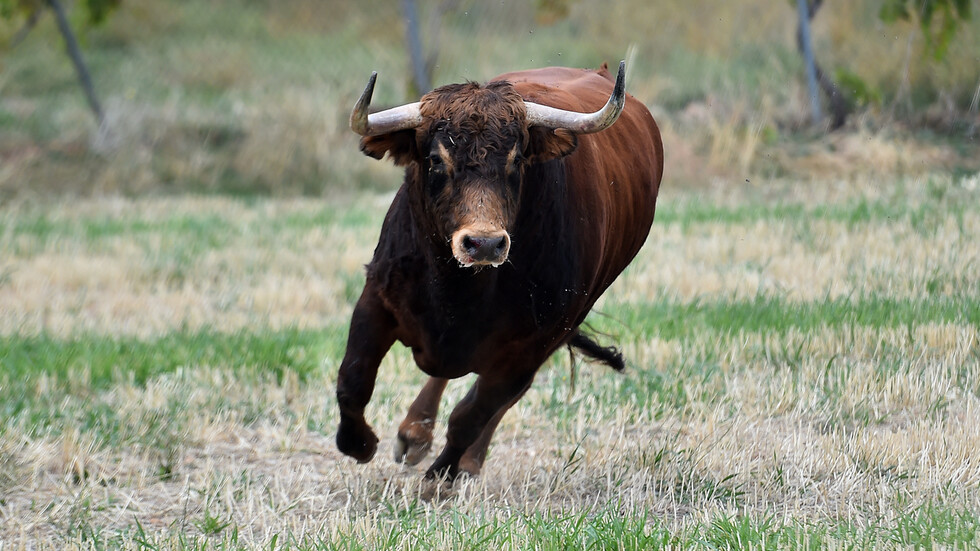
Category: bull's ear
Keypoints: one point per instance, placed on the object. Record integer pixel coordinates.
(547, 143)
(400, 146)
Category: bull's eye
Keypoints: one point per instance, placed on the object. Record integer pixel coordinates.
(438, 177)
(435, 162)
(514, 161)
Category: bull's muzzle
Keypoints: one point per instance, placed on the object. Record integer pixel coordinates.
(481, 248)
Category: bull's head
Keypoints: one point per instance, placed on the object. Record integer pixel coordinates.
(469, 147)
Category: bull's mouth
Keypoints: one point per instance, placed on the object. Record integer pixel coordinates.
(478, 249)
(477, 265)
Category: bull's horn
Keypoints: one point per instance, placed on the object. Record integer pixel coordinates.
(582, 123)
(391, 120)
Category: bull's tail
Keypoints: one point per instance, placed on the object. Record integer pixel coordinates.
(609, 355)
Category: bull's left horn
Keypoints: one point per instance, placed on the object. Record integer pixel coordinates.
(582, 123)
(391, 120)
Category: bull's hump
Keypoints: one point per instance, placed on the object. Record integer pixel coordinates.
(560, 77)
(581, 90)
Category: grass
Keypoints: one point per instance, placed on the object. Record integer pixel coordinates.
(603, 529)
(772, 315)
(801, 375)
(801, 329)
(104, 359)
(243, 99)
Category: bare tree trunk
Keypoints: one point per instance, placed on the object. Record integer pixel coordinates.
(419, 73)
(839, 106)
(71, 45)
(433, 35)
(803, 39)
(972, 131)
(22, 32)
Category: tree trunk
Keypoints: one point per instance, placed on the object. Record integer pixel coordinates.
(803, 39)
(29, 24)
(420, 75)
(71, 45)
(839, 106)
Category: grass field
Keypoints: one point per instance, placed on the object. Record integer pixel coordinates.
(251, 97)
(802, 328)
(804, 372)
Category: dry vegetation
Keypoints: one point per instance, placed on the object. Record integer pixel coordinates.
(250, 97)
(851, 428)
(802, 326)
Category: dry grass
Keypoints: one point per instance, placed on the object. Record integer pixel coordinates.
(243, 98)
(854, 424)
(844, 430)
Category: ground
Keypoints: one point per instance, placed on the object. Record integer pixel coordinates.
(803, 372)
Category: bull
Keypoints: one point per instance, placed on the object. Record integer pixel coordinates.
(523, 200)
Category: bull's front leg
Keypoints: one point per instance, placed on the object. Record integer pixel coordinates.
(371, 335)
(474, 413)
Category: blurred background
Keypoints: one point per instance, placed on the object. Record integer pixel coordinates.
(252, 96)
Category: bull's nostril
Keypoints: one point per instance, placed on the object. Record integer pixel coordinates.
(471, 245)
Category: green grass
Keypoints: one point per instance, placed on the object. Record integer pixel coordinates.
(930, 526)
(854, 213)
(669, 319)
(104, 359)
(78, 369)
(34, 229)
(688, 214)
(87, 364)
(417, 527)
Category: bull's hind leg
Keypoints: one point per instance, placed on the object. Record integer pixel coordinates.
(476, 454)
(415, 432)
(475, 413)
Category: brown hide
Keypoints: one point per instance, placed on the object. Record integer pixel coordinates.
(576, 223)
(614, 175)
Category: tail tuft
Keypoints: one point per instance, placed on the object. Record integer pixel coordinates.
(609, 355)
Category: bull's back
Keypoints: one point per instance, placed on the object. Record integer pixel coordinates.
(613, 176)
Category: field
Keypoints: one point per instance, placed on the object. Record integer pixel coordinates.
(802, 328)
(802, 374)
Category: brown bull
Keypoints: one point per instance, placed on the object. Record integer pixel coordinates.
(521, 204)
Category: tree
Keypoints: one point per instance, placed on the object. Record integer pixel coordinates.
(806, 46)
(840, 104)
(938, 19)
(423, 64)
(421, 76)
(31, 11)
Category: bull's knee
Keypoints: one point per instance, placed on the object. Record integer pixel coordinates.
(414, 440)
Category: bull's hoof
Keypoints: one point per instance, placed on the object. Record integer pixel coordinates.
(414, 441)
(470, 466)
(448, 473)
(356, 441)
(445, 467)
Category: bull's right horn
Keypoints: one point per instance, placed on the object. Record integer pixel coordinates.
(390, 120)
(582, 123)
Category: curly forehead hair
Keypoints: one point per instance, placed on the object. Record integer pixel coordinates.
(483, 116)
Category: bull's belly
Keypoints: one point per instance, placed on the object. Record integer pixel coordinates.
(456, 356)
